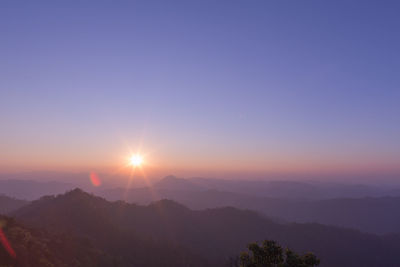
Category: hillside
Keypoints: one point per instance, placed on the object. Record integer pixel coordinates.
(105, 224)
(37, 248)
(215, 234)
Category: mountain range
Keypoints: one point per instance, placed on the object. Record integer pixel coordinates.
(377, 214)
(168, 232)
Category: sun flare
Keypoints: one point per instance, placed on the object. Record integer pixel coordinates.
(136, 160)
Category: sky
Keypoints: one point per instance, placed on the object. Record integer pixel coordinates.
(201, 87)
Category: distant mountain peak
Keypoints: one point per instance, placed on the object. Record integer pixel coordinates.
(172, 177)
(172, 182)
(75, 192)
(76, 195)
(169, 204)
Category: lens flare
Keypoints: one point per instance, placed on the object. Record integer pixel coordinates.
(5, 243)
(94, 179)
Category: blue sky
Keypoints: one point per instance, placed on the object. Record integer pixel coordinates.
(241, 85)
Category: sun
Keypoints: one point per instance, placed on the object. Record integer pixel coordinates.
(136, 160)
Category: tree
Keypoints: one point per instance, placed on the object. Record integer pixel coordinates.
(271, 254)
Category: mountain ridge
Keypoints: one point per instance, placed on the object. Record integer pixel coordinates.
(214, 234)
(376, 215)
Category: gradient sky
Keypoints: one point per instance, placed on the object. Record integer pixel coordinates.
(246, 86)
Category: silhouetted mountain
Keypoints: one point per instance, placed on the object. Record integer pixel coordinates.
(174, 232)
(295, 189)
(8, 204)
(111, 226)
(373, 215)
(173, 183)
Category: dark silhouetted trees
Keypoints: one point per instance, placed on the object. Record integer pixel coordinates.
(271, 254)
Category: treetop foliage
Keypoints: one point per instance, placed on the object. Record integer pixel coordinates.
(271, 254)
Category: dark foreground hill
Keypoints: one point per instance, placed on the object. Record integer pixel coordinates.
(38, 248)
(82, 215)
(178, 236)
